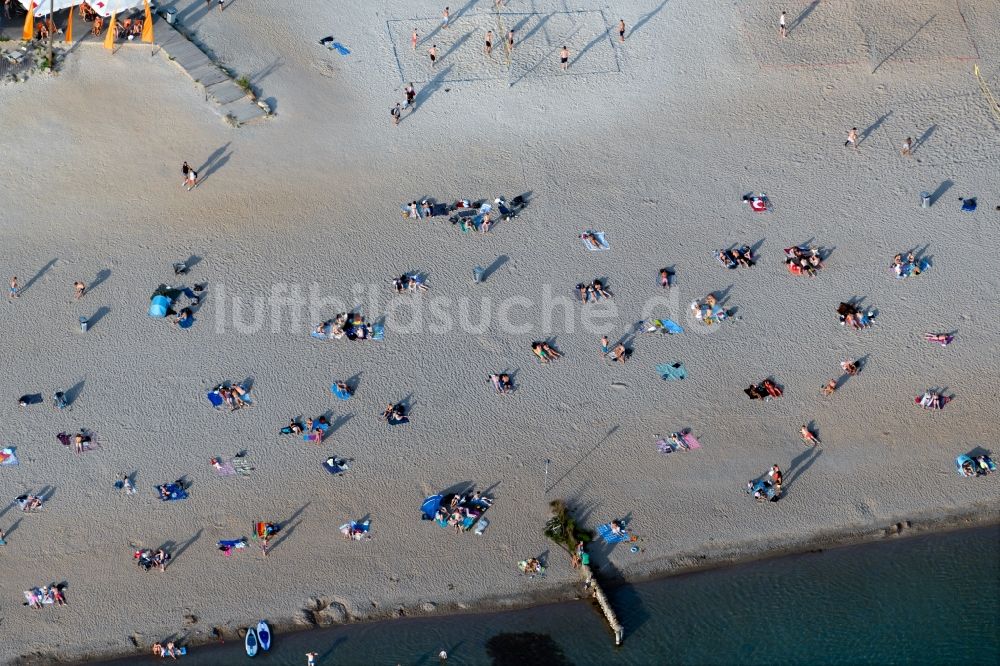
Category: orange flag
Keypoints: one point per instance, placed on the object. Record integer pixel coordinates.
(69, 26)
(147, 25)
(29, 24)
(109, 39)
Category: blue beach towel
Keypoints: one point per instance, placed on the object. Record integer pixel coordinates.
(969, 205)
(669, 371)
(378, 331)
(606, 533)
(341, 394)
(215, 399)
(340, 48)
(174, 491)
(671, 326)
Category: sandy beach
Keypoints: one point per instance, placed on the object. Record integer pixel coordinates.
(652, 142)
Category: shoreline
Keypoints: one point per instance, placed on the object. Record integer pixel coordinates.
(920, 525)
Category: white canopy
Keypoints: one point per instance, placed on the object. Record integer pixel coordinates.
(102, 7)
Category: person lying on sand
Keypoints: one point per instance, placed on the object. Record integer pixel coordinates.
(829, 388)
(850, 367)
(942, 339)
(808, 436)
(592, 240)
(619, 353)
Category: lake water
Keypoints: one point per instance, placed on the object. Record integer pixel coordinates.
(932, 599)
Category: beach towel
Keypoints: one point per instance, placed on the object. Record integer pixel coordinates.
(64, 439)
(340, 48)
(378, 331)
(690, 441)
(225, 469)
(355, 530)
(232, 543)
(215, 399)
(171, 492)
(600, 239)
(969, 205)
(337, 466)
(606, 533)
(8, 456)
(313, 436)
(671, 327)
(242, 465)
(340, 393)
(669, 371)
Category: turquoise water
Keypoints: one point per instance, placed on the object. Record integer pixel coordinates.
(931, 599)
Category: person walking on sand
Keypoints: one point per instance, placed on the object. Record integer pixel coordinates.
(15, 291)
(908, 147)
(396, 112)
(3, 538)
(79, 289)
(185, 170)
(222, 5)
(621, 30)
(414, 38)
(192, 179)
(433, 53)
(852, 138)
(444, 18)
(411, 97)
(782, 28)
(488, 48)
(510, 41)
(605, 345)
(564, 58)
(311, 658)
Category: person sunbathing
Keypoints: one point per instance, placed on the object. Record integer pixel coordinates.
(758, 204)
(496, 383)
(398, 284)
(829, 387)
(665, 278)
(942, 339)
(552, 353)
(539, 351)
(619, 353)
(583, 291)
(850, 367)
(599, 289)
(80, 440)
(932, 400)
(616, 528)
(345, 389)
(592, 240)
(726, 258)
(744, 256)
(184, 316)
(808, 436)
(137, 27)
(772, 389)
(967, 469)
(240, 397)
(415, 283)
(29, 502)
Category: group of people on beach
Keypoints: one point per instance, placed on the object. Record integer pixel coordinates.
(351, 325)
(147, 558)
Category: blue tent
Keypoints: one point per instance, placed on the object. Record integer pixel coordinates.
(430, 506)
(158, 306)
